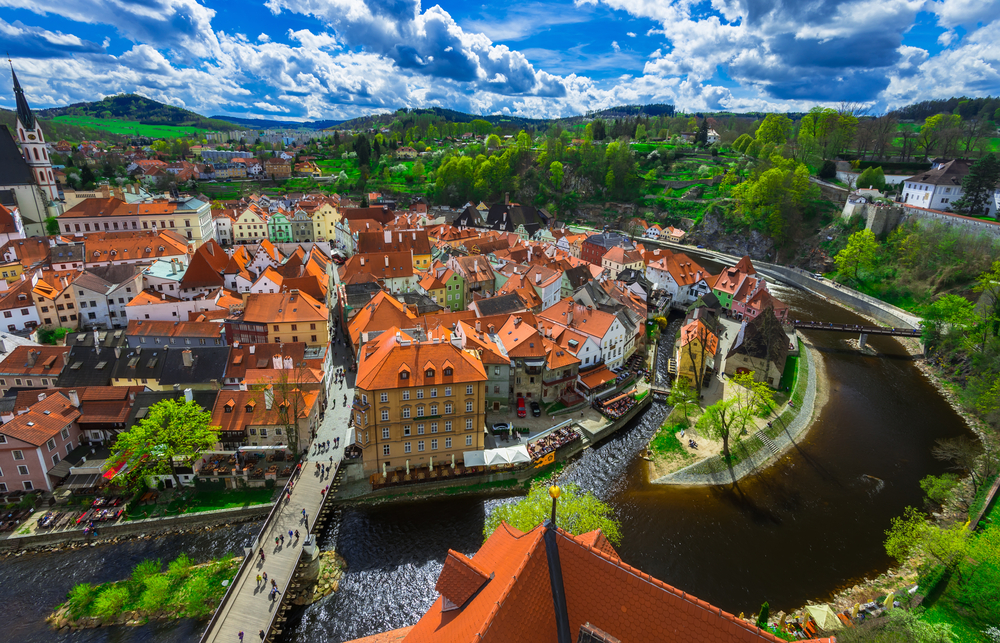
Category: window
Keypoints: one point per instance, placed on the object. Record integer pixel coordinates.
(447, 425)
(295, 338)
(420, 394)
(447, 443)
(385, 397)
(447, 391)
(295, 326)
(55, 459)
(404, 375)
(468, 407)
(18, 455)
(434, 392)
(385, 415)
(385, 433)
(447, 408)
(27, 485)
(420, 411)
(420, 445)
(448, 371)
(434, 427)
(468, 440)
(496, 370)
(406, 412)
(263, 433)
(496, 389)
(406, 447)
(275, 328)
(22, 469)
(3, 487)
(434, 445)
(312, 326)
(385, 449)
(51, 444)
(468, 424)
(312, 338)
(406, 430)
(406, 395)
(420, 429)
(468, 389)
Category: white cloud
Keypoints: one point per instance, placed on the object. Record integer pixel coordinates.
(614, 45)
(967, 13)
(630, 34)
(268, 107)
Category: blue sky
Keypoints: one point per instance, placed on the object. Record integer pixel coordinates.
(332, 59)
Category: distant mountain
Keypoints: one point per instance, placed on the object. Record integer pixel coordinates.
(267, 123)
(131, 107)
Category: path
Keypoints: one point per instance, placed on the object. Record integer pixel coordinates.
(247, 607)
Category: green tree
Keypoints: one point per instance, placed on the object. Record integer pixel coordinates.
(173, 433)
(860, 253)
(363, 149)
(774, 130)
(51, 226)
(80, 598)
(903, 535)
(683, 397)
(722, 421)
(492, 142)
(828, 170)
(523, 141)
(742, 142)
(701, 137)
(978, 186)
(765, 613)
(640, 132)
(578, 512)
(110, 601)
(900, 626)
(872, 177)
(949, 315)
(939, 489)
(753, 397)
(988, 285)
(556, 172)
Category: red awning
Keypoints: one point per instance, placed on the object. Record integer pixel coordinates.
(597, 378)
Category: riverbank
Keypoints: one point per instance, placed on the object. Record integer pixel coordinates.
(767, 445)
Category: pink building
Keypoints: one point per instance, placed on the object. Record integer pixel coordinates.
(32, 443)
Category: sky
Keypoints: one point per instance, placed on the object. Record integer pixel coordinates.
(337, 59)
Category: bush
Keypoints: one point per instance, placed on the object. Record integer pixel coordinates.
(828, 170)
(143, 572)
(80, 598)
(109, 603)
(157, 594)
(939, 488)
(180, 567)
(195, 597)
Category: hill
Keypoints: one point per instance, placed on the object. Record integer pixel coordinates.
(132, 107)
(267, 123)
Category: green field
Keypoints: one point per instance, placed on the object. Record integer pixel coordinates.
(131, 128)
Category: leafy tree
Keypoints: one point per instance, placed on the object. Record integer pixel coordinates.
(524, 141)
(80, 598)
(742, 142)
(51, 226)
(939, 489)
(722, 421)
(556, 172)
(828, 170)
(577, 512)
(774, 130)
(860, 253)
(110, 601)
(903, 535)
(752, 397)
(157, 593)
(640, 133)
(683, 397)
(492, 142)
(173, 433)
(980, 458)
(872, 177)
(978, 186)
(949, 314)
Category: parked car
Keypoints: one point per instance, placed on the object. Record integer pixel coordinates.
(500, 427)
(521, 411)
(817, 275)
(536, 410)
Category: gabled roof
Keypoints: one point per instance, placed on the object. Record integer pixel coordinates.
(35, 360)
(585, 319)
(951, 173)
(761, 337)
(268, 308)
(237, 410)
(383, 265)
(206, 266)
(382, 361)
(242, 359)
(399, 241)
(698, 330)
(43, 421)
(381, 313)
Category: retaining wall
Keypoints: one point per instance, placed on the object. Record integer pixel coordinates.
(137, 527)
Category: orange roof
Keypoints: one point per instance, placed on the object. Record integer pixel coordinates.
(43, 421)
(383, 361)
(146, 297)
(35, 360)
(132, 245)
(697, 329)
(475, 269)
(236, 410)
(205, 269)
(382, 312)
(586, 320)
(383, 265)
(684, 271)
(29, 251)
(516, 604)
(556, 357)
(597, 377)
(152, 328)
(460, 578)
(399, 241)
(270, 308)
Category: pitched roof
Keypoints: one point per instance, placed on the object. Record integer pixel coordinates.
(269, 308)
(237, 410)
(206, 267)
(515, 603)
(761, 337)
(399, 241)
(383, 265)
(43, 421)
(262, 356)
(950, 173)
(585, 319)
(380, 314)
(35, 360)
(698, 330)
(381, 362)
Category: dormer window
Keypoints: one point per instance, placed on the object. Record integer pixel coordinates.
(430, 372)
(404, 375)
(448, 372)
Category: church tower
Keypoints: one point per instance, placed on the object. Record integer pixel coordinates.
(32, 141)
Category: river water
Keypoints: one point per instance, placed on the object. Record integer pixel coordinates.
(798, 531)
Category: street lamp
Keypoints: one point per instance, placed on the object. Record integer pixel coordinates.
(555, 492)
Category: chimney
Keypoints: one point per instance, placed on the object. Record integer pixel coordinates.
(186, 358)
(188, 395)
(253, 347)
(400, 237)
(32, 358)
(387, 261)
(517, 322)
(163, 296)
(65, 358)
(388, 236)
(288, 363)
(362, 261)
(41, 396)
(506, 198)
(177, 387)
(268, 397)
(479, 326)
(74, 398)
(211, 251)
(118, 352)
(276, 362)
(538, 277)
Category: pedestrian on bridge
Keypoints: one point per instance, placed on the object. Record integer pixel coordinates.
(304, 515)
(296, 534)
(261, 635)
(258, 580)
(262, 554)
(289, 534)
(241, 636)
(265, 579)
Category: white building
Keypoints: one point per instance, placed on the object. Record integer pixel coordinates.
(103, 293)
(939, 187)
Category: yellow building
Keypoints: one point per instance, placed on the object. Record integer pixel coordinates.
(250, 226)
(11, 272)
(618, 259)
(698, 346)
(417, 404)
(55, 300)
(291, 316)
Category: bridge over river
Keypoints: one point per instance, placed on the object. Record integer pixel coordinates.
(862, 331)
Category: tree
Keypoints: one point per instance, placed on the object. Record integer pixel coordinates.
(939, 489)
(903, 534)
(901, 626)
(701, 137)
(980, 459)
(51, 226)
(683, 397)
(774, 130)
(752, 397)
(556, 172)
(492, 142)
(860, 253)
(577, 512)
(599, 130)
(721, 421)
(978, 186)
(872, 177)
(949, 314)
(828, 170)
(363, 149)
(173, 433)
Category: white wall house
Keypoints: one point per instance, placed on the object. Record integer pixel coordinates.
(940, 187)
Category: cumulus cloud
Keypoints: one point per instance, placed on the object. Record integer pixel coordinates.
(614, 45)
(25, 41)
(630, 34)
(429, 43)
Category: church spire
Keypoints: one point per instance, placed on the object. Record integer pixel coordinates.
(23, 111)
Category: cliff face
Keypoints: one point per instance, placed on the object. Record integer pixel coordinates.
(712, 233)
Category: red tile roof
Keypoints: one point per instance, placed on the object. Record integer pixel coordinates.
(460, 578)
(382, 360)
(43, 421)
(206, 267)
(279, 308)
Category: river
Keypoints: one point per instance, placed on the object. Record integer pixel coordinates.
(801, 530)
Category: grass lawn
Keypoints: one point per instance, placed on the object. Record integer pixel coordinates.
(131, 128)
(788, 376)
(666, 443)
(963, 631)
(204, 500)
